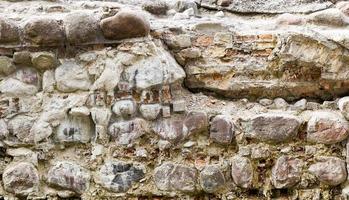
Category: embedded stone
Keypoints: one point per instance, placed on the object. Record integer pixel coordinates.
(168, 129)
(179, 106)
(273, 127)
(3, 129)
(157, 7)
(22, 57)
(9, 32)
(44, 31)
(242, 171)
(175, 177)
(289, 19)
(150, 111)
(221, 130)
(124, 108)
(343, 105)
(16, 88)
(125, 24)
(6, 65)
(344, 7)
(70, 176)
(224, 3)
(20, 126)
(212, 179)
(328, 17)
(80, 111)
(21, 178)
(48, 81)
(71, 77)
(190, 53)
(119, 176)
(286, 172)
(127, 132)
(329, 170)
(180, 41)
(80, 27)
(75, 129)
(183, 5)
(44, 60)
(195, 122)
(41, 130)
(327, 128)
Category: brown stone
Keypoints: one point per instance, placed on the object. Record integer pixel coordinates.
(44, 31)
(125, 24)
(81, 27)
(195, 122)
(8, 31)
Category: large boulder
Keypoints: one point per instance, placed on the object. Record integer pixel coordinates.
(125, 24)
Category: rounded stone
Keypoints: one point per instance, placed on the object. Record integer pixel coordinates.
(150, 111)
(6, 65)
(195, 122)
(127, 132)
(80, 27)
(242, 171)
(44, 31)
(20, 126)
(222, 130)
(124, 108)
(327, 128)
(329, 170)
(119, 176)
(21, 178)
(157, 7)
(44, 60)
(125, 24)
(286, 172)
(70, 176)
(212, 179)
(289, 19)
(71, 77)
(328, 17)
(9, 32)
(272, 127)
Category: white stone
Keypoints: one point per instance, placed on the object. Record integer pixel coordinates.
(71, 77)
(150, 111)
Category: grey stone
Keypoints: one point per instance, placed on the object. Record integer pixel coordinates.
(286, 172)
(343, 105)
(75, 129)
(212, 179)
(44, 31)
(124, 108)
(48, 81)
(272, 127)
(81, 27)
(16, 88)
(70, 176)
(260, 152)
(221, 130)
(183, 5)
(44, 60)
(41, 130)
(166, 111)
(9, 31)
(127, 132)
(71, 77)
(125, 24)
(6, 65)
(170, 129)
(20, 126)
(300, 105)
(21, 178)
(157, 7)
(3, 129)
(175, 177)
(329, 17)
(280, 103)
(242, 171)
(179, 106)
(327, 128)
(119, 176)
(150, 111)
(329, 170)
(265, 102)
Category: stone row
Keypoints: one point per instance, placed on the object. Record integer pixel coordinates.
(22, 178)
(76, 28)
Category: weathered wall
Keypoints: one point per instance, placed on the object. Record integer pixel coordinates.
(210, 99)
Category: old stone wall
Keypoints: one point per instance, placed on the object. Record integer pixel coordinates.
(176, 99)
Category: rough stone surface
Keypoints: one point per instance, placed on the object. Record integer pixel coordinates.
(21, 178)
(286, 172)
(221, 130)
(329, 170)
(125, 24)
(70, 176)
(44, 31)
(242, 171)
(71, 77)
(273, 127)
(9, 32)
(212, 179)
(327, 128)
(44, 60)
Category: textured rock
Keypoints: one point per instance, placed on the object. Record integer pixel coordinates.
(22, 57)
(126, 132)
(195, 122)
(327, 128)
(118, 176)
(273, 127)
(81, 27)
(20, 126)
(242, 171)
(329, 170)
(212, 179)
(150, 111)
(6, 65)
(343, 105)
(44, 31)
(44, 60)
(21, 178)
(289, 19)
(75, 129)
(9, 32)
(175, 177)
(71, 77)
(172, 130)
(329, 17)
(124, 108)
(3, 129)
(70, 176)
(125, 24)
(157, 7)
(286, 172)
(221, 130)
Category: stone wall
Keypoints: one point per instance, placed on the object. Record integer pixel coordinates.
(184, 99)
